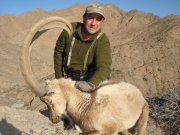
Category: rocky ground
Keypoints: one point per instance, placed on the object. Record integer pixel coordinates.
(26, 122)
(22, 113)
(145, 52)
(26, 118)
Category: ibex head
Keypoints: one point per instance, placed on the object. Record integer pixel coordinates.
(55, 101)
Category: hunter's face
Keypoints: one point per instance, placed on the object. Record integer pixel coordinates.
(93, 22)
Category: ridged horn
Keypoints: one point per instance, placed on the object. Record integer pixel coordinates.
(36, 30)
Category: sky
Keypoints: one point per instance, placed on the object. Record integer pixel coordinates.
(160, 8)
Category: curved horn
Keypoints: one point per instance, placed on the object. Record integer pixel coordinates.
(32, 35)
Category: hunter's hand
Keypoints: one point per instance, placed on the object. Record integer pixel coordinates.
(84, 86)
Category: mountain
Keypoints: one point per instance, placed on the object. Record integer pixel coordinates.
(145, 48)
(145, 52)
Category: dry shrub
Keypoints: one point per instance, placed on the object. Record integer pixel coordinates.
(166, 112)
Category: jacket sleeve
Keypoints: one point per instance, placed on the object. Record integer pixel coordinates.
(103, 61)
(58, 54)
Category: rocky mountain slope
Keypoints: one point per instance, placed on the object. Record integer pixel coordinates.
(145, 51)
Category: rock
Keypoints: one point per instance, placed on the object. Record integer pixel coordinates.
(18, 104)
(37, 104)
(26, 122)
(153, 128)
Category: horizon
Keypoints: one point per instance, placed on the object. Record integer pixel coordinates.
(159, 8)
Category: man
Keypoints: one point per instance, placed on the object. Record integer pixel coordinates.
(86, 55)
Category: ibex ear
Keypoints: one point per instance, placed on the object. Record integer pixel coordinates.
(47, 82)
(46, 99)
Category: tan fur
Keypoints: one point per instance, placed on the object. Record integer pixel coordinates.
(109, 110)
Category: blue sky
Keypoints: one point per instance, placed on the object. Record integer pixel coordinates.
(160, 8)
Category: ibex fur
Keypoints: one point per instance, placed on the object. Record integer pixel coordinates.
(111, 109)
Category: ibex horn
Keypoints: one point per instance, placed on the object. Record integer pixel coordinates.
(32, 35)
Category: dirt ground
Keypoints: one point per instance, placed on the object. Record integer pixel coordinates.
(145, 53)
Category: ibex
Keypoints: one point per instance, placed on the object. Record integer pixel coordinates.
(110, 109)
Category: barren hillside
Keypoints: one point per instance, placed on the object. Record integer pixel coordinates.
(145, 50)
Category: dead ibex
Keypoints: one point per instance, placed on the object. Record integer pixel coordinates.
(110, 109)
(36, 30)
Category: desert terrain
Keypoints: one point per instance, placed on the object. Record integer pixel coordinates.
(145, 52)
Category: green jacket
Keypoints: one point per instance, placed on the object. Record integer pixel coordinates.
(99, 59)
